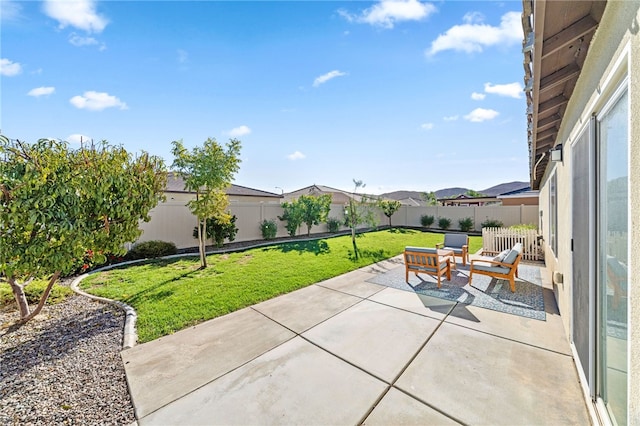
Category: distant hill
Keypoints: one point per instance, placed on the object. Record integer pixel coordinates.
(454, 192)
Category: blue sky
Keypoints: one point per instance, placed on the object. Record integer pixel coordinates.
(403, 95)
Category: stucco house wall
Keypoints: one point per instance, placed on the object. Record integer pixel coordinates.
(614, 53)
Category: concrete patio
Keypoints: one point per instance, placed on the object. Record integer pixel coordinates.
(345, 351)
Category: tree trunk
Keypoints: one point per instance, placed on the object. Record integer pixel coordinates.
(21, 298)
(202, 231)
(353, 240)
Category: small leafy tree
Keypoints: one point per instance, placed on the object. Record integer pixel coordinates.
(308, 209)
(389, 207)
(315, 209)
(466, 224)
(57, 204)
(472, 193)
(430, 198)
(292, 215)
(356, 213)
(269, 229)
(444, 223)
(427, 220)
(207, 171)
(217, 231)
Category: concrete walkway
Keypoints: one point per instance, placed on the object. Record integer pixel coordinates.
(346, 352)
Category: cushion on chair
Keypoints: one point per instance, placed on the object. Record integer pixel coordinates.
(482, 266)
(421, 249)
(455, 240)
(456, 250)
(511, 256)
(500, 257)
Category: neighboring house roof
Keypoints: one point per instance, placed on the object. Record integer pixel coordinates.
(466, 199)
(322, 189)
(520, 194)
(175, 183)
(412, 202)
(516, 191)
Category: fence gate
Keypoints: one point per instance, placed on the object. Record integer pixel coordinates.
(499, 239)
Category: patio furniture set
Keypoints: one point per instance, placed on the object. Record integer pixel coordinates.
(440, 260)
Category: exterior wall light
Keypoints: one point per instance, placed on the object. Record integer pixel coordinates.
(556, 154)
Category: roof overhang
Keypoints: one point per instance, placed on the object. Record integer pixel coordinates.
(557, 36)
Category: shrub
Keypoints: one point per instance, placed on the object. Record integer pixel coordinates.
(524, 226)
(150, 249)
(218, 230)
(444, 223)
(492, 223)
(427, 220)
(333, 224)
(466, 224)
(269, 229)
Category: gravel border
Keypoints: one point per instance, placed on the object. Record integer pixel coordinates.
(64, 366)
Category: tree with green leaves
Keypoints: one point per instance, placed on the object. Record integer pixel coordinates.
(315, 209)
(219, 231)
(358, 212)
(430, 198)
(389, 207)
(58, 204)
(472, 193)
(207, 171)
(292, 215)
(308, 209)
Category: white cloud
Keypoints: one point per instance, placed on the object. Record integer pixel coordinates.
(80, 14)
(41, 91)
(10, 10)
(97, 101)
(328, 76)
(512, 90)
(296, 156)
(479, 115)
(239, 131)
(9, 68)
(451, 118)
(474, 35)
(426, 126)
(478, 96)
(78, 138)
(81, 41)
(388, 12)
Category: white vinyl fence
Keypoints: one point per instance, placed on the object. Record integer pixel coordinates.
(499, 239)
(172, 220)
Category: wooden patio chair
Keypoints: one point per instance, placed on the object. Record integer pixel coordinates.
(421, 260)
(458, 243)
(504, 266)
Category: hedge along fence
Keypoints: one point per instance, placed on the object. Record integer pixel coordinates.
(172, 220)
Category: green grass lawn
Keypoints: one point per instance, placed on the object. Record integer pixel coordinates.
(169, 295)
